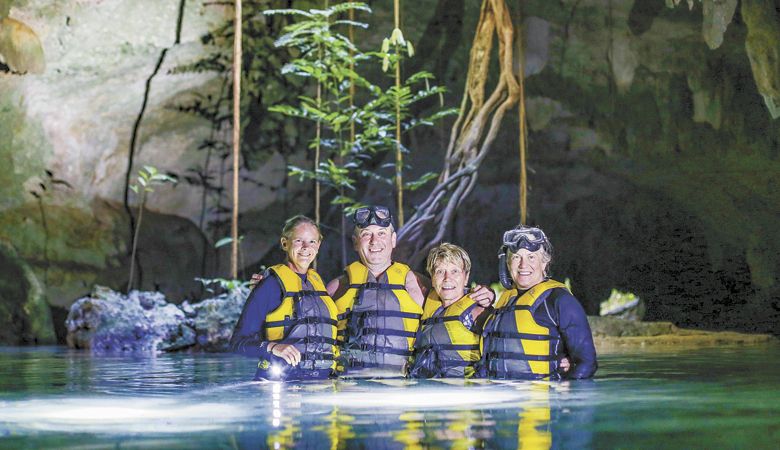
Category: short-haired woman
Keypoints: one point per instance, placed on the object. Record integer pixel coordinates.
(289, 321)
(447, 343)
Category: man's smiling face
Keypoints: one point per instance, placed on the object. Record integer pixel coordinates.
(374, 245)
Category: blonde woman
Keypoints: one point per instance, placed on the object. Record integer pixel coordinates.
(447, 343)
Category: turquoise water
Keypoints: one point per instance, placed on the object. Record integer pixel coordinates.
(708, 398)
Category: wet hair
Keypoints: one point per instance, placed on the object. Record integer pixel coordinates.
(447, 252)
(292, 222)
(544, 250)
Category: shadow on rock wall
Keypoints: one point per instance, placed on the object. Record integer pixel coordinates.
(608, 233)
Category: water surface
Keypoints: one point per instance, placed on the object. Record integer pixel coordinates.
(708, 398)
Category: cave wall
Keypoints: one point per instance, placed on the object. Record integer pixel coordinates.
(653, 153)
(112, 84)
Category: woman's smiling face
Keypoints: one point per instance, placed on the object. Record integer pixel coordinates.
(449, 280)
(527, 268)
(302, 247)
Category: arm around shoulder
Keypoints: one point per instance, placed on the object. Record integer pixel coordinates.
(417, 286)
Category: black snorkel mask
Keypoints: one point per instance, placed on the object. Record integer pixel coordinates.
(529, 238)
(372, 215)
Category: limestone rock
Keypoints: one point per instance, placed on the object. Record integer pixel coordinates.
(617, 327)
(108, 322)
(24, 313)
(763, 25)
(624, 305)
(623, 60)
(20, 48)
(142, 322)
(215, 319)
(717, 16)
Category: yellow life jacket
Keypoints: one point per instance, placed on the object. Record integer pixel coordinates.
(378, 319)
(445, 347)
(306, 318)
(513, 344)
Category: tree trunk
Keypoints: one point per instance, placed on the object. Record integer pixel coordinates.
(471, 137)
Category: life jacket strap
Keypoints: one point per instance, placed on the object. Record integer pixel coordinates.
(378, 349)
(358, 364)
(515, 335)
(386, 332)
(517, 375)
(297, 295)
(309, 340)
(449, 363)
(377, 286)
(387, 313)
(518, 356)
(508, 308)
(439, 319)
(463, 347)
(305, 320)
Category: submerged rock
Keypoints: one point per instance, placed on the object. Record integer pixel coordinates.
(145, 322)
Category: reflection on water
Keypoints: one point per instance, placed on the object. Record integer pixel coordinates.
(715, 398)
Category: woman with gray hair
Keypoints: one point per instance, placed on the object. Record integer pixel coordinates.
(537, 322)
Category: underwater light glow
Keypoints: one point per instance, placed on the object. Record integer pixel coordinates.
(426, 398)
(119, 415)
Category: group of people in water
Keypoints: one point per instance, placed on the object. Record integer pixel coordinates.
(380, 317)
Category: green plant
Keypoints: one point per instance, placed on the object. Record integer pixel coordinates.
(229, 240)
(331, 59)
(224, 284)
(147, 177)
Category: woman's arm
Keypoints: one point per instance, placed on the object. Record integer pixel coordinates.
(247, 337)
(577, 337)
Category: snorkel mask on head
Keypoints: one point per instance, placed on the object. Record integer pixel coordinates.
(372, 215)
(529, 238)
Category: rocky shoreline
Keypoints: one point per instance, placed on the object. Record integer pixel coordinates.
(612, 334)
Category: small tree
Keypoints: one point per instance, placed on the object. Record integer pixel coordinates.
(330, 59)
(326, 57)
(147, 178)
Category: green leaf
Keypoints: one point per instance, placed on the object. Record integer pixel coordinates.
(420, 182)
(342, 200)
(397, 37)
(289, 12)
(222, 242)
